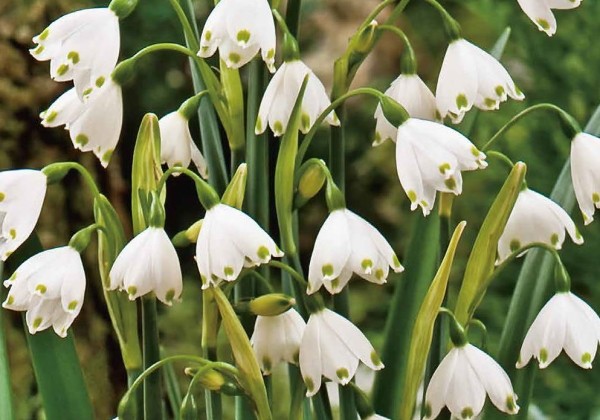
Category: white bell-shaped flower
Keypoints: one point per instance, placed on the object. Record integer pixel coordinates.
(540, 12)
(82, 46)
(331, 347)
(50, 286)
(22, 193)
(277, 339)
(239, 29)
(536, 218)
(461, 382)
(177, 147)
(585, 173)
(148, 263)
(430, 158)
(416, 98)
(94, 122)
(348, 244)
(470, 76)
(281, 93)
(228, 241)
(565, 322)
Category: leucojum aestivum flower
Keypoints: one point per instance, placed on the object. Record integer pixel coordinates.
(271, 292)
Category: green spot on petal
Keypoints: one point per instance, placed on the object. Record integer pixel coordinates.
(73, 56)
(72, 305)
(450, 183)
(51, 116)
(41, 288)
(243, 36)
(37, 322)
(44, 34)
(12, 233)
(489, 102)
(305, 121)
(310, 385)
(82, 139)
(466, 413)
(554, 239)
(259, 125)
(228, 271)
(342, 373)
(475, 151)
(499, 90)
(514, 245)
(412, 196)
(444, 167)
(263, 252)
(375, 359)
(207, 35)
(234, 58)
(510, 404)
(278, 127)
(396, 261)
(267, 364)
(10, 300)
(335, 283)
(87, 91)
(100, 81)
(170, 295)
(543, 356)
(461, 101)
(543, 24)
(132, 290)
(39, 49)
(62, 69)
(327, 270)
(366, 263)
(2, 196)
(577, 233)
(596, 198)
(586, 358)
(271, 53)
(107, 155)
(379, 274)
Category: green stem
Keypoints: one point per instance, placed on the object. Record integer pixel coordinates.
(293, 273)
(334, 104)
(152, 388)
(191, 36)
(502, 158)
(409, 61)
(87, 177)
(6, 408)
(452, 26)
(292, 16)
(210, 327)
(566, 119)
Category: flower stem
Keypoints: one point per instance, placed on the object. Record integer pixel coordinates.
(152, 388)
(452, 26)
(6, 408)
(409, 61)
(569, 124)
(64, 167)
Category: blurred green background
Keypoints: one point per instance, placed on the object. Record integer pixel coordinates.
(562, 70)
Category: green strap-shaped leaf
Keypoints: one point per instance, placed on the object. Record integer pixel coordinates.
(422, 333)
(250, 376)
(55, 363)
(483, 255)
(420, 264)
(6, 409)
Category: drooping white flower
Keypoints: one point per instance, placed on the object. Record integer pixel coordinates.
(50, 286)
(94, 122)
(414, 95)
(470, 76)
(281, 93)
(82, 46)
(430, 158)
(348, 244)
(332, 347)
(585, 172)
(239, 29)
(565, 322)
(540, 12)
(22, 193)
(229, 240)
(148, 263)
(376, 417)
(177, 147)
(277, 339)
(536, 218)
(461, 382)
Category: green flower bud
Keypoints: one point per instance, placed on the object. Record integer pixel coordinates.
(393, 111)
(81, 239)
(364, 41)
(312, 178)
(122, 8)
(271, 304)
(234, 194)
(188, 236)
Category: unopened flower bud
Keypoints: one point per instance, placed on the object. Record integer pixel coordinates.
(212, 380)
(312, 178)
(188, 236)
(122, 8)
(271, 304)
(365, 39)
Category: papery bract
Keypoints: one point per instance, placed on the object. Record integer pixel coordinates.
(50, 286)
(22, 193)
(349, 244)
